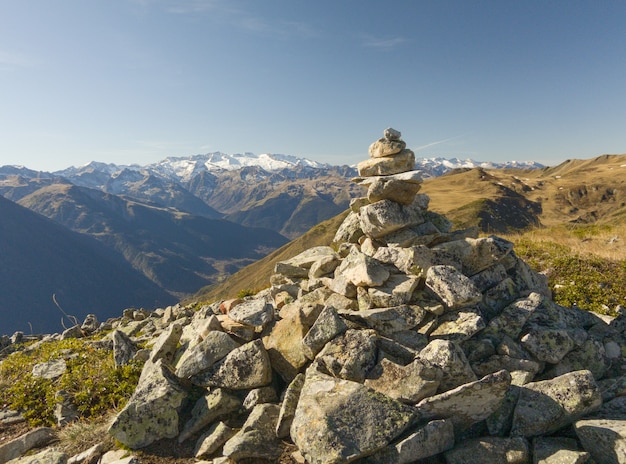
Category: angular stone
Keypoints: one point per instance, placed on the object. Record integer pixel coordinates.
(308, 307)
(260, 396)
(324, 266)
(588, 356)
(429, 440)
(392, 134)
(394, 190)
(246, 367)
(240, 331)
(409, 384)
(212, 406)
(339, 421)
(152, 411)
(327, 326)
(257, 437)
(512, 318)
(310, 256)
(386, 216)
(450, 358)
(452, 287)
(50, 370)
(165, 345)
(350, 356)
(549, 345)
(459, 325)
(213, 439)
(285, 348)
(123, 348)
(604, 439)
(362, 270)
(546, 406)
(47, 456)
(558, 450)
(469, 403)
(35, 438)
(205, 354)
(397, 290)
(489, 277)
(387, 320)
(400, 162)
(343, 286)
(288, 406)
(386, 147)
(256, 312)
(490, 450)
(350, 229)
(498, 362)
(338, 301)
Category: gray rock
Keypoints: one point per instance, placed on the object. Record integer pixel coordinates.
(166, 344)
(387, 321)
(362, 270)
(397, 290)
(459, 325)
(257, 437)
(350, 356)
(73, 332)
(489, 277)
(35, 438)
(124, 349)
(350, 229)
(468, 404)
(47, 456)
(490, 450)
(213, 439)
(386, 216)
(260, 396)
(256, 312)
(327, 326)
(588, 356)
(89, 456)
(452, 287)
(512, 318)
(288, 406)
(215, 346)
(386, 147)
(212, 406)
(549, 345)
(429, 440)
(90, 324)
(392, 134)
(546, 406)
(152, 411)
(558, 450)
(64, 409)
(339, 421)
(243, 368)
(604, 439)
(50, 370)
(395, 164)
(451, 359)
(409, 384)
(394, 190)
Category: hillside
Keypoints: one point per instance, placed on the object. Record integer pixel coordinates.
(41, 258)
(178, 251)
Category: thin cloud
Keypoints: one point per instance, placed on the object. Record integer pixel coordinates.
(383, 42)
(438, 142)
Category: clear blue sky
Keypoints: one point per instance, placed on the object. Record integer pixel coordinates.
(134, 81)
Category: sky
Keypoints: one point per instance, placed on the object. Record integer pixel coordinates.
(135, 81)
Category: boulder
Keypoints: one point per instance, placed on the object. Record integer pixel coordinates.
(257, 437)
(386, 216)
(350, 356)
(453, 288)
(409, 384)
(490, 450)
(256, 313)
(604, 439)
(213, 439)
(212, 406)
(215, 346)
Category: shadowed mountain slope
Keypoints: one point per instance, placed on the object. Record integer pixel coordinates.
(41, 258)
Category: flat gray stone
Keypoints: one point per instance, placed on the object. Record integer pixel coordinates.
(452, 287)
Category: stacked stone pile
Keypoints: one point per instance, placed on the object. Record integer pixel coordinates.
(403, 342)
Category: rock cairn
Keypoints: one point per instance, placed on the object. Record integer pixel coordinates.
(404, 341)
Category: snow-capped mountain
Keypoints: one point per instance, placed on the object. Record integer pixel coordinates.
(434, 167)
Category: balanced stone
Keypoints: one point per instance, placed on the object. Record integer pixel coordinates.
(385, 147)
(401, 162)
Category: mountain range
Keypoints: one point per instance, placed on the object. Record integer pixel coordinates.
(169, 227)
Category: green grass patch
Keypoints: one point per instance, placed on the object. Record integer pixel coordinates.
(591, 282)
(91, 379)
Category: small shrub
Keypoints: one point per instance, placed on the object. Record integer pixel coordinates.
(244, 292)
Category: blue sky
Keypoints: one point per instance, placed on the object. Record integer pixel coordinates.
(134, 81)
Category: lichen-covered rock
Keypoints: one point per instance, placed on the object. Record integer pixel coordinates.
(459, 325)
(256, 312)
(243, 368)
(212, 406)
(165, 345)
(409, 384)
(350, 229)
(452, 287)
(468, 404)
(490, 450)
(123, 348)
(429, 440)
(362, 270)
(386, 216)
(327, 326)
(213, 439)
(288, 406)
(397, 290)
(549, 345)
(558, 450)
(351, 355)
(152, 411)
(387, 320)
(386, 147)
(285, 348)
(604, 439)
(512, 318)
(35, 438)
(548, 405)
(451, 359)
(388, 188)
(215, 346)
(257, 437)
(339, 421)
